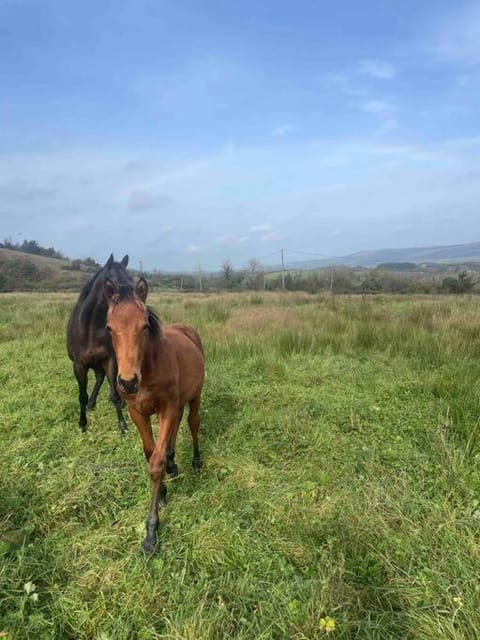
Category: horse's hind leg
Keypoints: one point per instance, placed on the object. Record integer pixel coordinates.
(81, 374)
(194, 424)
(172, 467)
(114, 397)
(99, 378)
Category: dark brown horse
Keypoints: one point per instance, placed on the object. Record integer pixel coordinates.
(88, 343)
(160, 370)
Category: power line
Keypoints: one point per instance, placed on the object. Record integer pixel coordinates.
(267, 255)
(202, 271)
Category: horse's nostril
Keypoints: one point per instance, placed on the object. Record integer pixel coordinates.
(129, 386)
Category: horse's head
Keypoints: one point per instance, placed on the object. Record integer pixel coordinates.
(128, 324)
(116, 272)
(111, 270)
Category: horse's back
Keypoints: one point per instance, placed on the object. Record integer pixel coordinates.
(187, 331)
(191, 362)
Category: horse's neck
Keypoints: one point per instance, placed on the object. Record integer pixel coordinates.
(152, 355)
(94, 309)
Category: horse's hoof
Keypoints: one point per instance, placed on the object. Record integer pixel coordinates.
(162, 500)
(123, 429)
(197, 464)
(83, 427)
(149, 545)
(172, 470)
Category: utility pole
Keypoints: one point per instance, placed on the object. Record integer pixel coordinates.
(283, 271)
(200, 276)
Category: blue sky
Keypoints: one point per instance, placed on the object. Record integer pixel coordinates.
(185, 133)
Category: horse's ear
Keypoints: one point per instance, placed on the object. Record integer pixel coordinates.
(124, 261)
(111, 291)
(109, 261)
(141, 289)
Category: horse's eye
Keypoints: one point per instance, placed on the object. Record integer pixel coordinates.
(145, 327)
(109, 329)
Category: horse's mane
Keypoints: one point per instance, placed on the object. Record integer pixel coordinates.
(87, 287)
(154, 323)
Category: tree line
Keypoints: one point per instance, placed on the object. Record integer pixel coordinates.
(35, 248)
(404, 278)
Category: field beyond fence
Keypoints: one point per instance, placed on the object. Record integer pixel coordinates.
(340, 494)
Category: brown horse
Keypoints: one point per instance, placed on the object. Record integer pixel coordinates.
(160, 370)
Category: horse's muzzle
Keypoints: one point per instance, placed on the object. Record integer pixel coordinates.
(128, 386)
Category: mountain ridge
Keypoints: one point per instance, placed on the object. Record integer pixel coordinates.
(467, 252)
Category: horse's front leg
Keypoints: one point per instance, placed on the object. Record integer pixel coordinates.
(111, 369)
(81, 374)
(167, 422)
(144, 427)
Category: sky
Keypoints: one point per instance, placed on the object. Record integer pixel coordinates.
(185, 133)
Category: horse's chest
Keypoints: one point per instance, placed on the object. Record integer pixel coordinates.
(145, 403)
(95, 348)
(150, 400)
(94, 353)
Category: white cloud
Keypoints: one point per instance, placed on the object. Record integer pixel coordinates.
(343, 83)
(88, 214)
(229, 238)
(272, 236)
(377, 69)
(283, 130)
(258, 228)
(377, 106)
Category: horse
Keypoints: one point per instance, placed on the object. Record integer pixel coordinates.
(161, 369)
(88, 343)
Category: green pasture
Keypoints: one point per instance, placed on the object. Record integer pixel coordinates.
(340, 494)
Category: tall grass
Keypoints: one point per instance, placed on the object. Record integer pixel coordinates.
(341, 446)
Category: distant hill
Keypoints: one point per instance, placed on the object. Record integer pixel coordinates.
(418, 255)
(21, 271)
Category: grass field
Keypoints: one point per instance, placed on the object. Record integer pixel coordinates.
(339, 497)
